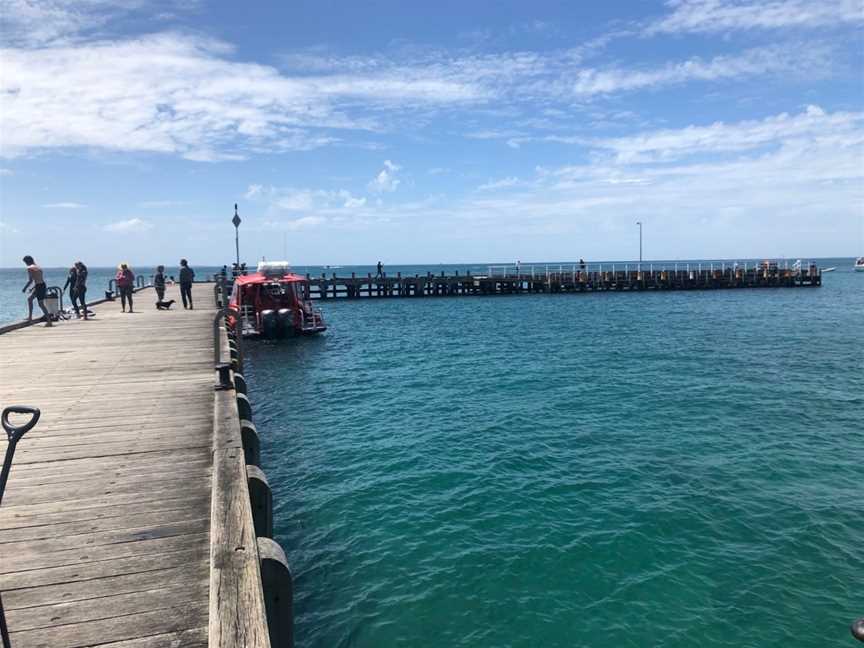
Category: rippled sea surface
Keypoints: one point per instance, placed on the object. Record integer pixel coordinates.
(672, 469)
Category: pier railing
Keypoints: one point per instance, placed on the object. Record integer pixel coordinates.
(251, 589)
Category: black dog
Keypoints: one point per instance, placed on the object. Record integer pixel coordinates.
(164, 305)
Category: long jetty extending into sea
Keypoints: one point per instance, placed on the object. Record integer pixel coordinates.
(575, 278)
(136, 513)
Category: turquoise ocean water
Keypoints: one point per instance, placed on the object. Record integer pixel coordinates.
(598, 470)
(673, 469)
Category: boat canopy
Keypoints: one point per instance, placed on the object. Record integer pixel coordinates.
(258, 278)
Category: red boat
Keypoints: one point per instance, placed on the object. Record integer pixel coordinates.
(272, 303)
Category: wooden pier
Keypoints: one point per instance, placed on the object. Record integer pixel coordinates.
(136, 514)
(513, 280)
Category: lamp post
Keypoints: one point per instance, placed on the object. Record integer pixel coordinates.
(236, 220)
(639, 223)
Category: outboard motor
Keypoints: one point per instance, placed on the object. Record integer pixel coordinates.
(269, 323)
(286, 322)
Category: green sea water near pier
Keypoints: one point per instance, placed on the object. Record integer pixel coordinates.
(602, 470)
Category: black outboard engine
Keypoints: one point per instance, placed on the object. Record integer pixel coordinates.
(269, 323)
(286, 322)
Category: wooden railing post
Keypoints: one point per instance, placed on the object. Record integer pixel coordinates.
(261, 499)
(278, 593)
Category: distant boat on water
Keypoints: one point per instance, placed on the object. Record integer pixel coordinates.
(859, 264)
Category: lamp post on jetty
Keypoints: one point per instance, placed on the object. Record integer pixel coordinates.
(639, 223)
(236, 220)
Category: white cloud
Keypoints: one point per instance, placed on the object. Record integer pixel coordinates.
(64, 205)
(504, 183)
(814, 123)
(188, 96)
(253, 191)
(6, 172)
(129, 226)
(295, 224)
(751, 63)
(353, 203)
(727, 15)
(168, 93)
(691, 183)
(386, 180)
(35, 23)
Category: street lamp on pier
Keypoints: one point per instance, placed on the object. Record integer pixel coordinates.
(639, 223)
(236, 220)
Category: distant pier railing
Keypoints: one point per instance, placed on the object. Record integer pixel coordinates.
(570, 278)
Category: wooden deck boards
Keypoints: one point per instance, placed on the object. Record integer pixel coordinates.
(104, 529)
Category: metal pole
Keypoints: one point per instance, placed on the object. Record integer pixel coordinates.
(236, 221)
(639, 223)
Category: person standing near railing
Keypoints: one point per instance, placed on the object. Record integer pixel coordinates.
(35, 276)
(81, 286)
(125, 279)
(71, 283)
(187, 276)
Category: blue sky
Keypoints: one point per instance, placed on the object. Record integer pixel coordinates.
(430, 132)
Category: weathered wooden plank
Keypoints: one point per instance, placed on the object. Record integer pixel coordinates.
(107, 607)
(89, 633)
(170, 540)
(100, 569)
(80, 528)
(95, 588)
(24, 550)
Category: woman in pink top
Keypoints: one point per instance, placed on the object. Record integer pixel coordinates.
(125, 279)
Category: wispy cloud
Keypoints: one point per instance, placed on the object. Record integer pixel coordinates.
(188, 96)
(721, 138)
(6, 172)
(35, 23)
(694, 16)
(129, 226)
(504, 183)
(64, 205)
(386, 180)
(685, 181)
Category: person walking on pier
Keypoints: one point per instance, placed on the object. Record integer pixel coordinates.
(125, 279)
(159, 282)
(81, 286)
(71, 284)
(35, 276)
(187, 276)
(380, 270)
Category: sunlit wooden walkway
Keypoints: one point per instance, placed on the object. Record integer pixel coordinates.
(105, 526)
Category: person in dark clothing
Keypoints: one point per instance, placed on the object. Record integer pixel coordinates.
(187, 276)
(582, 265)
(159, 282)
(125, 279)
(380, 269)
(81, 287)
(72, 285)
(40, 290)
